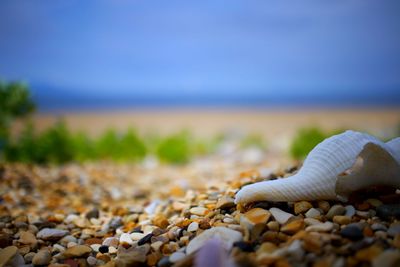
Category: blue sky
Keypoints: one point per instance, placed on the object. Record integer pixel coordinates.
(241, 48)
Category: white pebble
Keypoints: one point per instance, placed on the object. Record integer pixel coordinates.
(313, 213)
(321, 227)
(125, 238)
(176, 256)
(91, 260)
(280, 215)
(137, 236)
(193, 227)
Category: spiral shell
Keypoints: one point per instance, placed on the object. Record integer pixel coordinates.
(336, 167)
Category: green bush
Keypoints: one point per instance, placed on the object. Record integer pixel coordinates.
(15, 102)
(305, 140)
(175, 148)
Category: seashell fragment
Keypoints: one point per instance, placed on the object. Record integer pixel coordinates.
(336, 167)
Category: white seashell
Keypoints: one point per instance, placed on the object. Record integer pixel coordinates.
(336, 167)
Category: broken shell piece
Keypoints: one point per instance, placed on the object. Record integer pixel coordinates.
(336, 167)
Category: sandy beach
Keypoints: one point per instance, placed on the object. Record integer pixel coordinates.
(272, 123)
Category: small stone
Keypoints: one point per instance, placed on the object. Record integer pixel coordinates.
(293, 227)
(369, 253)
(193, 227)
(374, 202)
(145, 239)
(312, 243)
(225, 202)
(335, 210)
(176, 256)
(95, 247)
(350, 211)
(394, 229)
(320, 227)
(91, 260)
(341, 219)
(160, 221)
(257, 216)
(43, 257)
(50, 234)
(27, 238)
(7, 254)
(388, 258)
(125, 238)
(302, 206)
(244, 246)
(280, 216)
(5, 240)
(111, 242)
(94, 213)
(226, 235)
(378, 227)
(352, 232)
(313, 213)
(28, 257)
(103, 249)
(396, 241)
(274, 226)
(388, 211)
(199, 211)
(77, 251)
(324, 205)
(135, 236)
(134, 256)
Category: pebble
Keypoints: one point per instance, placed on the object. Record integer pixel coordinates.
(293, 227)
(199, 211)
(111, 242)
(43, 257)
(341, 219)
(378, 227)
(50, 234)
(94, 213)
(134, 236)
(7, 254)
(125, 238)
(145, 239)
(335, 210)
(350, 211)
(193, 227)
(388, 211)
(352, 232)
(226, 235)
(324, 205)
(225, 202)
(134, 256)
(257, 216)
(176, 256)
(388, 258)
(27, 238)
(374, 202)
(274, 226)
(29, 256)
(91, 260)
(77, 251)
(95, 247)
(394, 229)
(280, 216)
(320, 227)
(301, 207)
(160, 221)
(103, 249)
(313, 213)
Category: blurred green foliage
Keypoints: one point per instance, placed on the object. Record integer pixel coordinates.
(306, 139)
(15, 102)
(175, 148)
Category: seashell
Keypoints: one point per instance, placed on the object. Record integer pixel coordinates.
(336, 167)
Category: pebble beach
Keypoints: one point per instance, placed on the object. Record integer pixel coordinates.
(152, 214)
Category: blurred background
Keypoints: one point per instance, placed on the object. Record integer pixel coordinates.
(122, 80)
